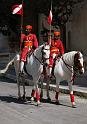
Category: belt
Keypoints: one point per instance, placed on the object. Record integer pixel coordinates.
(28, 47)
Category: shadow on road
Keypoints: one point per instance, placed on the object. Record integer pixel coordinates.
(5, 79)
(10, 99)
(54, 102)
(13, 99)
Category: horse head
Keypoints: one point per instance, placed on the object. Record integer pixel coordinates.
(78, 63)
(46, 53)
(42, 54)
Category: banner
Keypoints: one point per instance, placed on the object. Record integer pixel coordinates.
(50, 17)
(17, 9)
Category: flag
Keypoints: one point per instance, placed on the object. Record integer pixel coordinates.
(17, 9)
(50, 17)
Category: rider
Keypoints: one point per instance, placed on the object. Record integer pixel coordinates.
(56, 50)
(29, 43)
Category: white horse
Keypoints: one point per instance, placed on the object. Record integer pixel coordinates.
(33, 67)
(65, 69)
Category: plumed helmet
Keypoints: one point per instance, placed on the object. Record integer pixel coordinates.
(57, 33)
(29, 27)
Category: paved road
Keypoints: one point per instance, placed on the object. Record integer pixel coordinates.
(14, 112)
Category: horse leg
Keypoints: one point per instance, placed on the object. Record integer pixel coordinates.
(37, 93)
(33, 94)
(71, 94)
(16, 66)
(57, 92)
(37, 96)
(41, 82)
(47, 87)
(19, 93)
(23, 81)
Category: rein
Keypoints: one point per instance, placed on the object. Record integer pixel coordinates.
(67, 65)
(38, 59)
(42, 62)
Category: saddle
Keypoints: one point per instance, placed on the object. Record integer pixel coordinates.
(25, 74)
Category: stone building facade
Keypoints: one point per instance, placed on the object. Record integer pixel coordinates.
(76, 28)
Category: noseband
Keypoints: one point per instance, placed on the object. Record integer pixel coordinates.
(77, 65)
(43, 59)
(44, 53)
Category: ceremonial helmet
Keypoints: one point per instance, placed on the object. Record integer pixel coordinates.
(57, 33)
(28, 27)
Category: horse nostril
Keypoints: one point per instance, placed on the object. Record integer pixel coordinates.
(81, 72)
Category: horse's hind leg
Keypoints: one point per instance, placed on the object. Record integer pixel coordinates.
(24, 92)
(33, 94)
(41, 81)
(71, 94)
(37, 93)
(19, 93)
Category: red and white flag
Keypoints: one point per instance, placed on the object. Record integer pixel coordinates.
(17, 9)
(50, 17)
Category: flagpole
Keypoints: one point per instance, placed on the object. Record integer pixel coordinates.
(21, 26)
(50, 24)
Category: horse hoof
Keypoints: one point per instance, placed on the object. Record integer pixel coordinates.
(73, 105)
(41, 96)
(19, 98)
(24, 98)
(38, 103)
(41, 99)
(57, 102)
(32, 98)
(49, 99)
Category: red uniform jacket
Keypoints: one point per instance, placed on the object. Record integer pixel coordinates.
(31, 38)
(28, 43)
(57, 47)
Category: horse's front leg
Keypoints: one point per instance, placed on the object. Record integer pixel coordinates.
(41, 80)
(47, 87)
(57, 91)
(37, 93)
(71, 94)
(24, 92)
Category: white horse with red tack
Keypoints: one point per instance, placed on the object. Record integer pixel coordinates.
(33, 67)
(65, 69)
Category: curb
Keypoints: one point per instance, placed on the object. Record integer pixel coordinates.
(63, 89)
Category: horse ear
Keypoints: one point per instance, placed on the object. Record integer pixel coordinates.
(82, 51)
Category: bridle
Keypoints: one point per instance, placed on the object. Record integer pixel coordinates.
(42, 61)
(43, 58)
(75, 66)
(67, 65)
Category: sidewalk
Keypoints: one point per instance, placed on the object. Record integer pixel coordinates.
(79, 87)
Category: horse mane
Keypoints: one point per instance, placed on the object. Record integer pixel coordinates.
(38, 50)
(69, 55)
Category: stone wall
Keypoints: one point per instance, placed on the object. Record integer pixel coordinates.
(76, 28)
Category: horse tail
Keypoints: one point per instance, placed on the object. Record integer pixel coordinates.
(6, 68)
